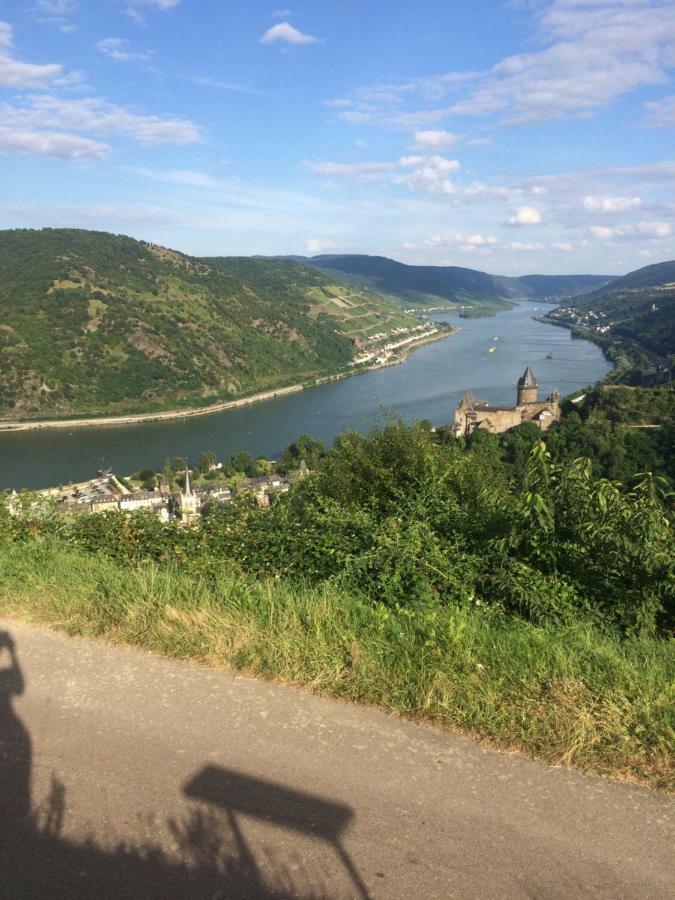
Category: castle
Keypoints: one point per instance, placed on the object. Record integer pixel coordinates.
(472, 413)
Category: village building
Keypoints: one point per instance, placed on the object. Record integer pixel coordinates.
(472, 413)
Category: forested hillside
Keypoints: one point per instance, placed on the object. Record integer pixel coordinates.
(95, 323)
(638, 308)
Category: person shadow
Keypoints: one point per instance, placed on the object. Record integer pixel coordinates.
(15, 743)
(215, 860)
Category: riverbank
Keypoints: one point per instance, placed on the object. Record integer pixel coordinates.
(190, 412)
(140, 418)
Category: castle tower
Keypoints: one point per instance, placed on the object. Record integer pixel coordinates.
(527, 388)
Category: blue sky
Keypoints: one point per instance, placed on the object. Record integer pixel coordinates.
(526, 136)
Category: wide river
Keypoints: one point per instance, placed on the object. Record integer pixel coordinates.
(427, 386)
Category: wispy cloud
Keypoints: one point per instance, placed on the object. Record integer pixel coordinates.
(121, 50)
(318, 245)
(605, 204)
(50, 143)
(133, 9)
(434, 140)
(17, 74)
(218, 84)
(45, 112)
(661, 113)
(58, 13)
(285, 33)
(644, 230)
(593, 52)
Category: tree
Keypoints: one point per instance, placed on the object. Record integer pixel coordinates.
(168, 474)
(305, 447)
(207, 459)
(243, 463)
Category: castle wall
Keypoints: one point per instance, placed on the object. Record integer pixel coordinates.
(468, 417)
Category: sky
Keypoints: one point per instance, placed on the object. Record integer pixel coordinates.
(512, 137)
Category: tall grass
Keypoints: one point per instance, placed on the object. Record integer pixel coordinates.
(568, 695)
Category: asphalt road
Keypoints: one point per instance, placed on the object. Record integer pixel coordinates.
(127, 775)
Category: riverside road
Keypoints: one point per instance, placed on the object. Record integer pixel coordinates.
(123, 774)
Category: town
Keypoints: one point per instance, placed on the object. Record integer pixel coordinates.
(380, 354)
(171, 494)
(585, 318)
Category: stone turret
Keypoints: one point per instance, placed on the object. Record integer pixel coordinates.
(527, 388)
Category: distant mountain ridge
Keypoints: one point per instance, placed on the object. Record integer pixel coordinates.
(427, 285)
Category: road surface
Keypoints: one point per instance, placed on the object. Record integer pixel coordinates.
(127, 775)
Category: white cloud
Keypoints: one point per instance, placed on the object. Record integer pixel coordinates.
(606, 204)
(475, 244)
(285, 33)
(527, 246)
(57, 13)
(428, 174)
(16, 74)
(645, 230)
(133, 9)
(159, 4)
(120, 50)
(434, 140)
(525, 215)
(50, 143)
(234, 86)
(282, 13)
(567, 246)
(479, 240)
(661, 113)
(592, 52)
(57, 7)
(317, 245)
(97, 116)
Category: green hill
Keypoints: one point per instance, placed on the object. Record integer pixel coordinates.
(443, 285)
(639, 307)
(94, 323)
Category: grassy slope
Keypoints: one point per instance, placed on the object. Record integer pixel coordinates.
(358, 311)
(566, 695)
(94, 323)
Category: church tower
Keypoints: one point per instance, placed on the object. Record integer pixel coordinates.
(527, 388)
(187, 501)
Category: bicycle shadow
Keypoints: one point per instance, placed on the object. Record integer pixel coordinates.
(210, 857)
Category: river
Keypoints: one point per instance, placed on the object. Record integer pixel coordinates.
(427, 386)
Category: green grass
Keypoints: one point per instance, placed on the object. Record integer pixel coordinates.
(570, 696)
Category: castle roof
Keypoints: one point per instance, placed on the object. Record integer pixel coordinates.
(527, 379)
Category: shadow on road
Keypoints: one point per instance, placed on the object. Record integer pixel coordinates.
(212, 857)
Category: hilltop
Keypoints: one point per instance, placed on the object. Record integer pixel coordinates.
(95, 323)
(434, 285)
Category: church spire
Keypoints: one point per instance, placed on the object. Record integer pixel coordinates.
(187, 491)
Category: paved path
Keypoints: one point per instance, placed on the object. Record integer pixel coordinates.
(127, 775)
